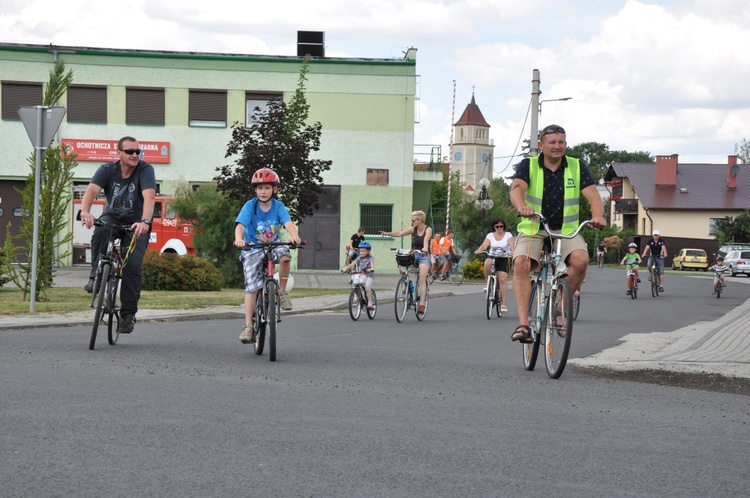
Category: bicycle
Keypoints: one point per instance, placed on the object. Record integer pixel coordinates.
(358, 296)
(719, 286)
(551, 300)
(407, 293)
(456, 273)
(107, 281)
(493, 297)
(653, 276)
(632, 280)
(267, 305)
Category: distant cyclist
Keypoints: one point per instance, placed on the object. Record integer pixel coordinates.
(719, 269)
(632, 258)
(601, 250)
(656, 250)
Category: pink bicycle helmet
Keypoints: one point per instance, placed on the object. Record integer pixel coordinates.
(265, 175)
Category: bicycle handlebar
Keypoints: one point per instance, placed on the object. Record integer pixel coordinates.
(545, 225)
(99, 223)
(291, 245)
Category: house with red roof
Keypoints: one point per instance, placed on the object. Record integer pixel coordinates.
(681, 200)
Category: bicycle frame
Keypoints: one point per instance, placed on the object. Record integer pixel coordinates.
(551, 300)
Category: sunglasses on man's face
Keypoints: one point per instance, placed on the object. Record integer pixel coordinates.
(130, 152)
(550, 130)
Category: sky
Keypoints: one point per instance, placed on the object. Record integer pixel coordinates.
(664, 77)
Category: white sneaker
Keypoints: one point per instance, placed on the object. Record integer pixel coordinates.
(246, 337)
(286, 303)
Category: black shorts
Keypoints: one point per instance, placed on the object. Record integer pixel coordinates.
(501, 264)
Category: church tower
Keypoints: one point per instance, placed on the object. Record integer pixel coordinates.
(472, 147)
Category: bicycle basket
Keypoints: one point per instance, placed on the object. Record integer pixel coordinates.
(404, 257)
(455, 258)
(359, 278)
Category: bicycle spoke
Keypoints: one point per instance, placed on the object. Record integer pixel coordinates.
(559, 329)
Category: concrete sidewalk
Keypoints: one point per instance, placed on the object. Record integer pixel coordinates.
(718, 347)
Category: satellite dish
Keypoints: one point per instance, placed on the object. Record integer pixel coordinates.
(734, 170)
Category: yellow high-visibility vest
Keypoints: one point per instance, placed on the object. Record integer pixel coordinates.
(571, 196)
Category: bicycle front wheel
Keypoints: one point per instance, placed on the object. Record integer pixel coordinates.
(401, 301)
(371, 312)
(259, 324)
(718, 290)
(100, 301)
(490, 297)
(559, 329)
(113, 319)
(456, 275)
(531, 350)
(355, 304)
(426, 302)
(271, 315)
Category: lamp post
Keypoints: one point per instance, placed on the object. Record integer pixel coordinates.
(483, 202)
(536, 104)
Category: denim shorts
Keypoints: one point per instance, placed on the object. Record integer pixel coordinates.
(252, 264)
(659, 264)
(421, 258)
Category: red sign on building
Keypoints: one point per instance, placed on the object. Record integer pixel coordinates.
(102, 151)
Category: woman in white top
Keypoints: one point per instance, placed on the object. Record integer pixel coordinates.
(499, 244)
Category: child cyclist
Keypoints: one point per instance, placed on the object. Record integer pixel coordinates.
(366, 264)
(632, 257)
(719, 268)
(259, 222)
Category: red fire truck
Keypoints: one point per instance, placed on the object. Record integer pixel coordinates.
(168, 232)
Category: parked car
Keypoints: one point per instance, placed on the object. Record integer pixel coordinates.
(691, 258)
(738, 262)
(724, 250)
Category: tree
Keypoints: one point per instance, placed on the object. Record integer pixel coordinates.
(742, 150)
(278, 138)
(599, 157)
(735, 230)
(212, 215)
(54, 202)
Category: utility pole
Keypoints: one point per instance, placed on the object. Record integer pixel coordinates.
(535, 93)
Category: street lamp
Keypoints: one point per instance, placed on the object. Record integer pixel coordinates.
(551, 100)
(483, 203)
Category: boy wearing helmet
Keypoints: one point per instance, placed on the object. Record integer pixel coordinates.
(366, 264)
(260, 221)
(630, 258)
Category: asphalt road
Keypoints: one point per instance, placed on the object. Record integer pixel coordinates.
(369, 408)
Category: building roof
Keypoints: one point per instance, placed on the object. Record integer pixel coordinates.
(698, 187)
(472, 116)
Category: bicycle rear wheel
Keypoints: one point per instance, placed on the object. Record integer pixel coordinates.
(401, 301)
(259, 324)
(100, 301)
(559, 330)
(490, 296)
(371, 312)
(272, 303)
(355, 304)
(113, 321)
(456, 275)
(531, 350)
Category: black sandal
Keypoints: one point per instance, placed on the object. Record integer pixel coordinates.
(522, 334)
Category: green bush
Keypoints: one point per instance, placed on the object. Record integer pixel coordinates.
(180, 273)
(4, 267)
(474, 269)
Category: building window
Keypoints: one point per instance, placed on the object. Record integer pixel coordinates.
(377, 177)
(208, 108)
(256, 102)
(376, 218)
(712, 228)
(17, 95)
(144, 106)
(87, 104)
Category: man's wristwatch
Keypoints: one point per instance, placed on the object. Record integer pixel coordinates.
(147, 222)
